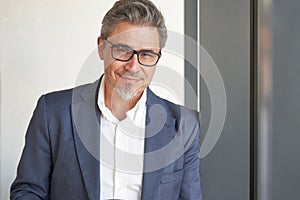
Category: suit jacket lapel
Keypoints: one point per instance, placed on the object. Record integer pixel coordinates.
(86, 129)
(159, 132)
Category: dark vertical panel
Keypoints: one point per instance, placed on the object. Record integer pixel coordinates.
(190, 51)
(253, 99)
(225, 34)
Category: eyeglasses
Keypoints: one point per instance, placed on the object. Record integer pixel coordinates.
(124, 53)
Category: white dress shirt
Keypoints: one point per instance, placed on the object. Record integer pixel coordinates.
(121, 151)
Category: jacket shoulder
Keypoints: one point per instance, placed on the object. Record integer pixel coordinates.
(62, 99)
(177, 111)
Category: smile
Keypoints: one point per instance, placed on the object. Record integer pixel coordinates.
(131, 79)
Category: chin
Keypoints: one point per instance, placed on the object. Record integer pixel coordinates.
(125, 95)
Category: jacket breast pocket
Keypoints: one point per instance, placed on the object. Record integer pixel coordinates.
(170, 185)
(171, 177)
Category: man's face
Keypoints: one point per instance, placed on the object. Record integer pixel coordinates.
(128, 78)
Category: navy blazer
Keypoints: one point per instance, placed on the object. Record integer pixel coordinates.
(60, 160)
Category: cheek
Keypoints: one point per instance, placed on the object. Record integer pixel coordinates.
(112, 67)
(149, 73)
(110, 71)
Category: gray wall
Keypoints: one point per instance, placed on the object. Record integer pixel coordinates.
(225, 34)
(286, 98)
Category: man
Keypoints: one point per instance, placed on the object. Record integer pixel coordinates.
(114, 139)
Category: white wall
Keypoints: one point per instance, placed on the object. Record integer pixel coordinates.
(48, 45)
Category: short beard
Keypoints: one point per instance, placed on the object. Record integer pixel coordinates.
(125, 93)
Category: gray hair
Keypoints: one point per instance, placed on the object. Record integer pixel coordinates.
(137, 12)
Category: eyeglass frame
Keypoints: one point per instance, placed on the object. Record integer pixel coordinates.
(112, 45)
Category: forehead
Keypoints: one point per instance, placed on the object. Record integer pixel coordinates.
(136, 36)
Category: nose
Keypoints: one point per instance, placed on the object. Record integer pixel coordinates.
(132, 64)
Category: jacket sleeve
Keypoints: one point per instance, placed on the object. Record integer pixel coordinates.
(34, 169)
(190, 189)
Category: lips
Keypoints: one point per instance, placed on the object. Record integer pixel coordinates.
(131, 77)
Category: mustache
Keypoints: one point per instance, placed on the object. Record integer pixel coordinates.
(132, 74)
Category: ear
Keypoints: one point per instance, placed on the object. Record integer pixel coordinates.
(100, 43)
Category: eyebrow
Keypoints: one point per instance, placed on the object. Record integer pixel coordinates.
(122, 45)
(142, 49)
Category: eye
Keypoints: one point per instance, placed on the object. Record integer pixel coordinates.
(122, 49)
(147, 54)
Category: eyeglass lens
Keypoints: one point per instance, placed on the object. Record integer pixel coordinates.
(125, 53)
